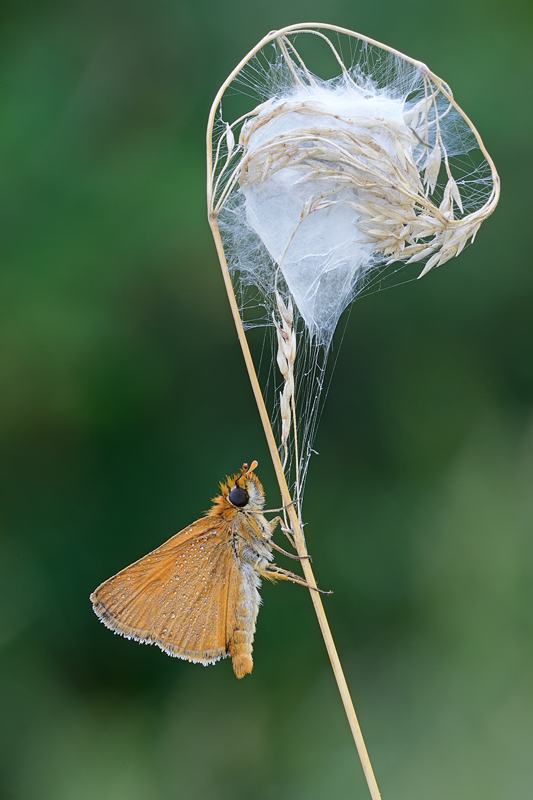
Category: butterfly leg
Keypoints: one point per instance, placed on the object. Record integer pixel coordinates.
(288, 533)
(281, 508)
(277, 573)
(285, 553)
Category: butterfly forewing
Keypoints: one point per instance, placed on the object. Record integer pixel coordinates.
(177, 596)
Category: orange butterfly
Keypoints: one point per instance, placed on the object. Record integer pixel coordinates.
(196, 597)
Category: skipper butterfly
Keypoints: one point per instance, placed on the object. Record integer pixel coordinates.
(196, 597)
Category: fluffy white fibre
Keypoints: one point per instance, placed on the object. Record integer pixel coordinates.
(320, 254)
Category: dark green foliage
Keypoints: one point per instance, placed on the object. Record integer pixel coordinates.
(121, 382)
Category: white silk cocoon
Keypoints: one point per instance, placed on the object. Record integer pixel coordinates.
(323, 188)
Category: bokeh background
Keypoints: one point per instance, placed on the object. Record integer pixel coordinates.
(125, 400)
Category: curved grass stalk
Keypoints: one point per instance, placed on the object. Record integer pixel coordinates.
(278, 467)
(418, 215)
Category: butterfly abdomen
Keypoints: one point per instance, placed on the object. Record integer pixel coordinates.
(245, 610)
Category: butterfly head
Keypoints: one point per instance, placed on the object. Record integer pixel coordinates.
(242, 492)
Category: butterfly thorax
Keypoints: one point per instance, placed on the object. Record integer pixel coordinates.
(253, 534)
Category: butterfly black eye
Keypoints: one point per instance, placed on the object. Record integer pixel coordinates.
(239, 497)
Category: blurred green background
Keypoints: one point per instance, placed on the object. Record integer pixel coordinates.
(119, 366)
